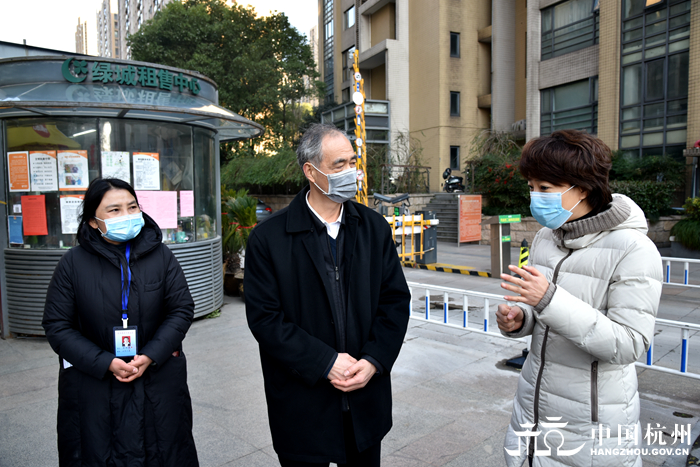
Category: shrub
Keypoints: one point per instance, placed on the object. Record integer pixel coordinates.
(652, 168)
(654, 198)
(495, 158)
(651, 181)
(687, 231)
(279, 173)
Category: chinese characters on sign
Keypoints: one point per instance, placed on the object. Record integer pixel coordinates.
(628, 440)
(128, 75)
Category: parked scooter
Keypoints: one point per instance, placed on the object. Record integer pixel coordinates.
(453, 183)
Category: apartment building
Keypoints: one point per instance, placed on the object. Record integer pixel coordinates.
(446, 69)
(132, 14)
(81, 38)
(108, 33)
(626, 70)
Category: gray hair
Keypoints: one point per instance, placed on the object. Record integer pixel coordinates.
(310, 146)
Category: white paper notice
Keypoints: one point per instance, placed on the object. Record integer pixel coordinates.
(73, 172)
(161, 206)
(71, 206)
(115, 164)
(42, 166)
(187, 204)
(146, 171)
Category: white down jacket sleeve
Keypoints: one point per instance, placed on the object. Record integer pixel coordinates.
(621, 333)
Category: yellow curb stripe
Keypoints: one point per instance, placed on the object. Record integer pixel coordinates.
(452, 270)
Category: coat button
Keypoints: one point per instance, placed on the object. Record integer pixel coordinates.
(332, 322)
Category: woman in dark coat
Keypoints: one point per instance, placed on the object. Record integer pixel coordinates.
(133, 410)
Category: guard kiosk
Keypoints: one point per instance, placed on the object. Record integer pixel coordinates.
(66, 120)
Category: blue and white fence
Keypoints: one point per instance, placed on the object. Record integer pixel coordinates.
(685, 330)
(484, 302)
(686, 262)
(480, 302)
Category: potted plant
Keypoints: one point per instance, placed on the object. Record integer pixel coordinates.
(238, 221)
(685, 240)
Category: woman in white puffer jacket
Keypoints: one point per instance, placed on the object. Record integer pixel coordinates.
(589, 299)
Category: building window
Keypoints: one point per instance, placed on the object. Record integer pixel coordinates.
(349, 17)
(454, 157)
(346, 95)
(328, 47)
(454, 44)
(568, 27)
(454, 104)
(570, 106)
(348, 58)
(654, 77)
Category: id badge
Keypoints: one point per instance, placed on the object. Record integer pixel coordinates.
(125, 343)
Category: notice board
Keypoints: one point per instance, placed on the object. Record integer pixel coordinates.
(469, 225)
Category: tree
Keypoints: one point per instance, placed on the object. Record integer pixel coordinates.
(261, 64)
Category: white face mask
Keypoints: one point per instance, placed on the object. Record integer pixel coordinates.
(342, 186)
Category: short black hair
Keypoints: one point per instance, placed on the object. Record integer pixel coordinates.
(96, 191)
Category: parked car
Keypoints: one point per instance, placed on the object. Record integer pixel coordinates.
(262, 210)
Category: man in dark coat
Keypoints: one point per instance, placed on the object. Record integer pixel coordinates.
(103, 422)
(329, 306)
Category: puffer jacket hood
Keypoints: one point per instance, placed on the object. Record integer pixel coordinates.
(596, 320)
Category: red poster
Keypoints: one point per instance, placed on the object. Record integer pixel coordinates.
(34, 215)
(469, 218)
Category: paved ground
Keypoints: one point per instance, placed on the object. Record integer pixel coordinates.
(452, 392)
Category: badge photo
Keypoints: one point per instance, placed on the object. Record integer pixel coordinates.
(125, 341)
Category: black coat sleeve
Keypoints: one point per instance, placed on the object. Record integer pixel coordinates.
(305, 355)
(179, 312)
(391, 318)
(61, 325)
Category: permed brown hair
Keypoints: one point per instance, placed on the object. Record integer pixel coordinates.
(570, 157)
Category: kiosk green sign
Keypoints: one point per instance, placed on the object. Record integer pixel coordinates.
(77, 71)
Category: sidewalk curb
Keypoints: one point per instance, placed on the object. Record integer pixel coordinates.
(440, 267)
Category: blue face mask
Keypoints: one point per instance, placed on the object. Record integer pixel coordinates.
(122, 228)
(547, 209)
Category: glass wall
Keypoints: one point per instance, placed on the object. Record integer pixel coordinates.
(570, 106)
(36, 187)
(50, 163)
(654, 77)
(205, 204)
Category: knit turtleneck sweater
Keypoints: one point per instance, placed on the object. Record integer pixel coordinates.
(616, 213)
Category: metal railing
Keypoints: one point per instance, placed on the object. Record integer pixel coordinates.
(487, 300)
(405, 179)
(686, 270)
(685, 336)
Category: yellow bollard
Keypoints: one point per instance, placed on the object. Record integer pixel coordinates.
(524, 254)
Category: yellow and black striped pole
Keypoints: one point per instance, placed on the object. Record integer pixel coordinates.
(358, 98)
(524, 254)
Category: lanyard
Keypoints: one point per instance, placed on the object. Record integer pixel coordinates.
(125, 291)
